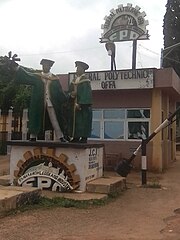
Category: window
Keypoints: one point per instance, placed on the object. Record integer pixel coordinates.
(95, 129)
(138, 113)
(113, 130)
(114, 114)
(96, 124)
(114, 124)
(120, 124)
(138, 126)
(138, 130)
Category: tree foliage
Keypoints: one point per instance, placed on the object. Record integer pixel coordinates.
(7, 92)
(13, 95)
(171, 31)
(21, 99)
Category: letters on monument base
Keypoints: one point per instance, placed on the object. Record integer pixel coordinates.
(55, 166)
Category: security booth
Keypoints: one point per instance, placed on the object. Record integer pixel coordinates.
(128, 105)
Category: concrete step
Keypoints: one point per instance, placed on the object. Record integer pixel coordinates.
(110, 183)
(107, 185)
(96, 189)
(5, 180)
(12, 197)
(78, 196)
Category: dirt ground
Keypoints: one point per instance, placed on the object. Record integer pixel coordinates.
(138, 214)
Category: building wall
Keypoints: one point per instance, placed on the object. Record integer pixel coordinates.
(162, 101)
(156, 120)
(122, 98)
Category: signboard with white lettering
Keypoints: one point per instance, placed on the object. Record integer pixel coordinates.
(122, 79)
(125, 23)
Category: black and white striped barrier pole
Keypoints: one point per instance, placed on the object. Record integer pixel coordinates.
(143, 162)
(144, 144)
(124, 167)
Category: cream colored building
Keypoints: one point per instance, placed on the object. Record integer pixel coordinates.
(126, 99)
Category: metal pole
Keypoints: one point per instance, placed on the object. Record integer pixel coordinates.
(143, 162)
(134, 54)
(111, 63)
(161, 60)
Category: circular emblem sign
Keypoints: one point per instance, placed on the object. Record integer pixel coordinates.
(46, 171)
(125, 23)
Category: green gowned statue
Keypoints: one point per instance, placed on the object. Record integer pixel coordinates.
(47, 98)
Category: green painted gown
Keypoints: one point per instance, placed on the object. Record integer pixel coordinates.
(80, 121)
(38, 117)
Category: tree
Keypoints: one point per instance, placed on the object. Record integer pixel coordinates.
(7, 93)
(20, 102)
(13, 95)
(171, 31)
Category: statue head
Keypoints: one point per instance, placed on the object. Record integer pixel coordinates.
(81, 67)
(46, 65)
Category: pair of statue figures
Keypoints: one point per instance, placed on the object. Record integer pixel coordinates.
(69, 113)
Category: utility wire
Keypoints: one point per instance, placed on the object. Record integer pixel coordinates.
(79, 50)
(149, 50)
(61, 52)
(171, 59)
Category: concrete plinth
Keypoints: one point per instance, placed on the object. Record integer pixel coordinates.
(55, 166)
(13, 197)
(5, 180)
(107, 185)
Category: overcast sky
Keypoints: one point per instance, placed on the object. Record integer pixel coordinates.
(69, 30)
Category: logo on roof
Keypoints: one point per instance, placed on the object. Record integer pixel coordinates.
(126, 23)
